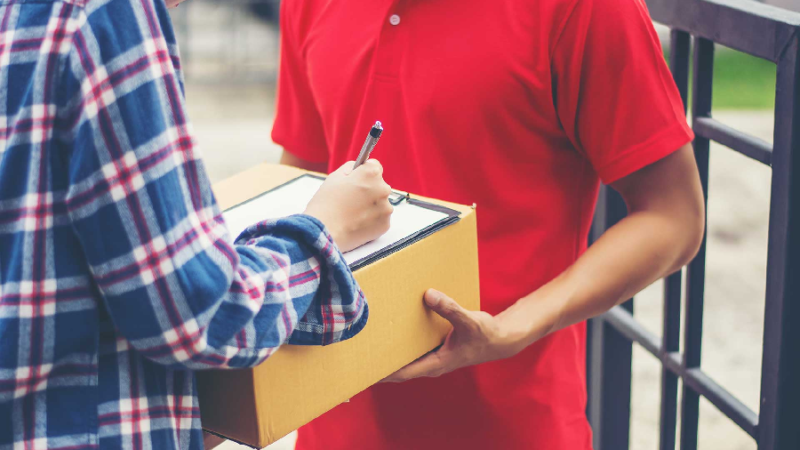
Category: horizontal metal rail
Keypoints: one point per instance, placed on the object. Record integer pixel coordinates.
(767, 31)
(721, 398)
(753, 147)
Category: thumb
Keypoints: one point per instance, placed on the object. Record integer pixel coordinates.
(447, 308)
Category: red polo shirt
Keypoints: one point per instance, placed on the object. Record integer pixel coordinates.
(519, 106)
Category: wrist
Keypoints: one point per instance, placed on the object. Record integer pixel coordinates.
(509, 342)
(512, 337)
(531, 318)
(329, 225)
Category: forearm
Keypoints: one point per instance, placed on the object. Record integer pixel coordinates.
(642, 248)
(662, 232)
(231, 306)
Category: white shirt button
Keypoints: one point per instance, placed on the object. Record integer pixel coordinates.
(394, 19)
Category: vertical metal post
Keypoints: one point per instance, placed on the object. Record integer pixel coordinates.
(611, 354)
(779, 427)
(680, 49)
(695, 274)
(670, 342)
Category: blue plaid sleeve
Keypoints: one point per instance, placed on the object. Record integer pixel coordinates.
(327, 319)
(140, 202)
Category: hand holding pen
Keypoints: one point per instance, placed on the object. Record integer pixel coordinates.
(353, 205)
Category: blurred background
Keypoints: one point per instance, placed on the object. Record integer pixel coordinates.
(230, 52)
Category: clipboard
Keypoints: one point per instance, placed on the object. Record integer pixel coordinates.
(419, 218)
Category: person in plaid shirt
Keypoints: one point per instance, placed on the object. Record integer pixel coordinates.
(118, 277)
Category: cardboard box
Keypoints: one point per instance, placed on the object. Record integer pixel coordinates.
(297, 384)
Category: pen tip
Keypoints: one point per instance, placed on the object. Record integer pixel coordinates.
(378, 125)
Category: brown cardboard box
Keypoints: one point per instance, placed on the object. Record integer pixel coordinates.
(259, 406)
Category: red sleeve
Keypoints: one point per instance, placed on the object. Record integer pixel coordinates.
(298, 125)
(615, 96)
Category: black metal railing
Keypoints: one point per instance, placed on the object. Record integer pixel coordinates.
(772, 34)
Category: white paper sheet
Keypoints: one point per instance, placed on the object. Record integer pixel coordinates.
(293, 198)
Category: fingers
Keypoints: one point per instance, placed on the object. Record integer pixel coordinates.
(386, 190)
(373, 167)
(372, 173)
(430, 365)
(449, 309)
(346, 168)
(385, 217)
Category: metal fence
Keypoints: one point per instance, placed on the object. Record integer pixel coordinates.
(772, 34)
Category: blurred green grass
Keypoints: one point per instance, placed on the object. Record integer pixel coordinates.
(742, 81)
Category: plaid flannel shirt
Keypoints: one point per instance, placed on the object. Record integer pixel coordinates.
(117, 276)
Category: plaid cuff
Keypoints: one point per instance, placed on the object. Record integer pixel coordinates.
(339, 309)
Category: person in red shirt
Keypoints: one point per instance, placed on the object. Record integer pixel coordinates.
(523, 108)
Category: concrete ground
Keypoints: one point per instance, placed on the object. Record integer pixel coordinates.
(233, 123)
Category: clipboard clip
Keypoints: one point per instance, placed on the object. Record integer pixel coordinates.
(395, 198)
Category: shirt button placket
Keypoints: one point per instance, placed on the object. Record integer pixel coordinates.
(390, 44)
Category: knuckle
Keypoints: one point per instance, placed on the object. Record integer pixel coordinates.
(484, 315)
(376, 165)
(476, 327)
(450, 306)
(370, 172)
(455, 313)
(385, 224)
